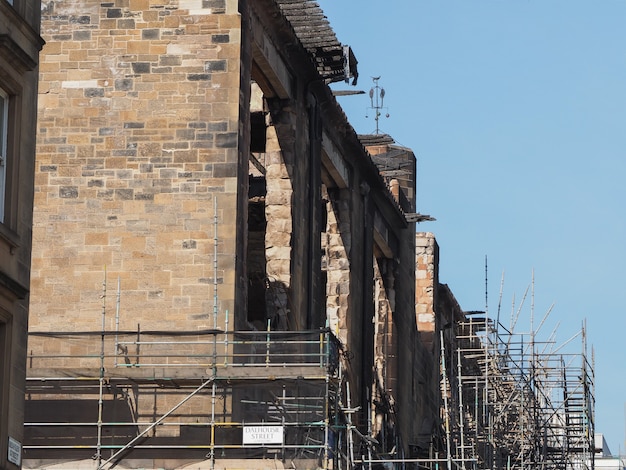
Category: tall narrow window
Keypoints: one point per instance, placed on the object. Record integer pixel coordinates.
(4, 113)
(4, 352)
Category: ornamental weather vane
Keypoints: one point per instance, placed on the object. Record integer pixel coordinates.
(377, 97)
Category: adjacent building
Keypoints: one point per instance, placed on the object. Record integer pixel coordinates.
(20, 44)
(604, 458)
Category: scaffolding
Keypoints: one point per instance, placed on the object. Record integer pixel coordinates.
(219, 399)
(211, 396)
(512, 402)
(508, 401)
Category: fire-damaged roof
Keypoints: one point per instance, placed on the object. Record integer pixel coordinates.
(334, 61)
(376, 139)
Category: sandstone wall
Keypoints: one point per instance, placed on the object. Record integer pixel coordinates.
(139, 119)
(426, 280)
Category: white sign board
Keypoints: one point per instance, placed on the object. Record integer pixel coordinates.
(15, 452)
(263, 435)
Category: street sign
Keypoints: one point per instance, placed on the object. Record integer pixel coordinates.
(263, 435)
(15, 452)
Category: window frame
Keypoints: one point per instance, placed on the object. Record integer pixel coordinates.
(10, 186)
(5, 101)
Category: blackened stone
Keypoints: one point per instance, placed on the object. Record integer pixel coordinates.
(124, 84)
(141, 67)
(226, 140)
(215, 66)
(195, 77)
(114, 13)
(94, 92)
(68, 192)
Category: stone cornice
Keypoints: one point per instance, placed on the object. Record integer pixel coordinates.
(15, 55)
(11, 288)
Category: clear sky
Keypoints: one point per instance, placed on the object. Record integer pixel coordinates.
(516, 111)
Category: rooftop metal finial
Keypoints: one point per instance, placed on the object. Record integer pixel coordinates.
(377, 97)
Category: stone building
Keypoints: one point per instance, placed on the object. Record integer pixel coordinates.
(224, 272)
(20, 44)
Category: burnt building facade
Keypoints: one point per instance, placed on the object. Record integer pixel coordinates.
(224, 272)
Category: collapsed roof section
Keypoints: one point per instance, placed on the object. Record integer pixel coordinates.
(334, 62)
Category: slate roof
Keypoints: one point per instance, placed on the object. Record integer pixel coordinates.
(334, 61)
(376, 139)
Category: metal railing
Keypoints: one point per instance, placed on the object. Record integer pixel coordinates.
(88, 369)
(210, 348)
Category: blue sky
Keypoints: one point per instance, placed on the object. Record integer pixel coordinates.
(516, 111)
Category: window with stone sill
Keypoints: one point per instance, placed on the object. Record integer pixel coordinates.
(4, 130)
